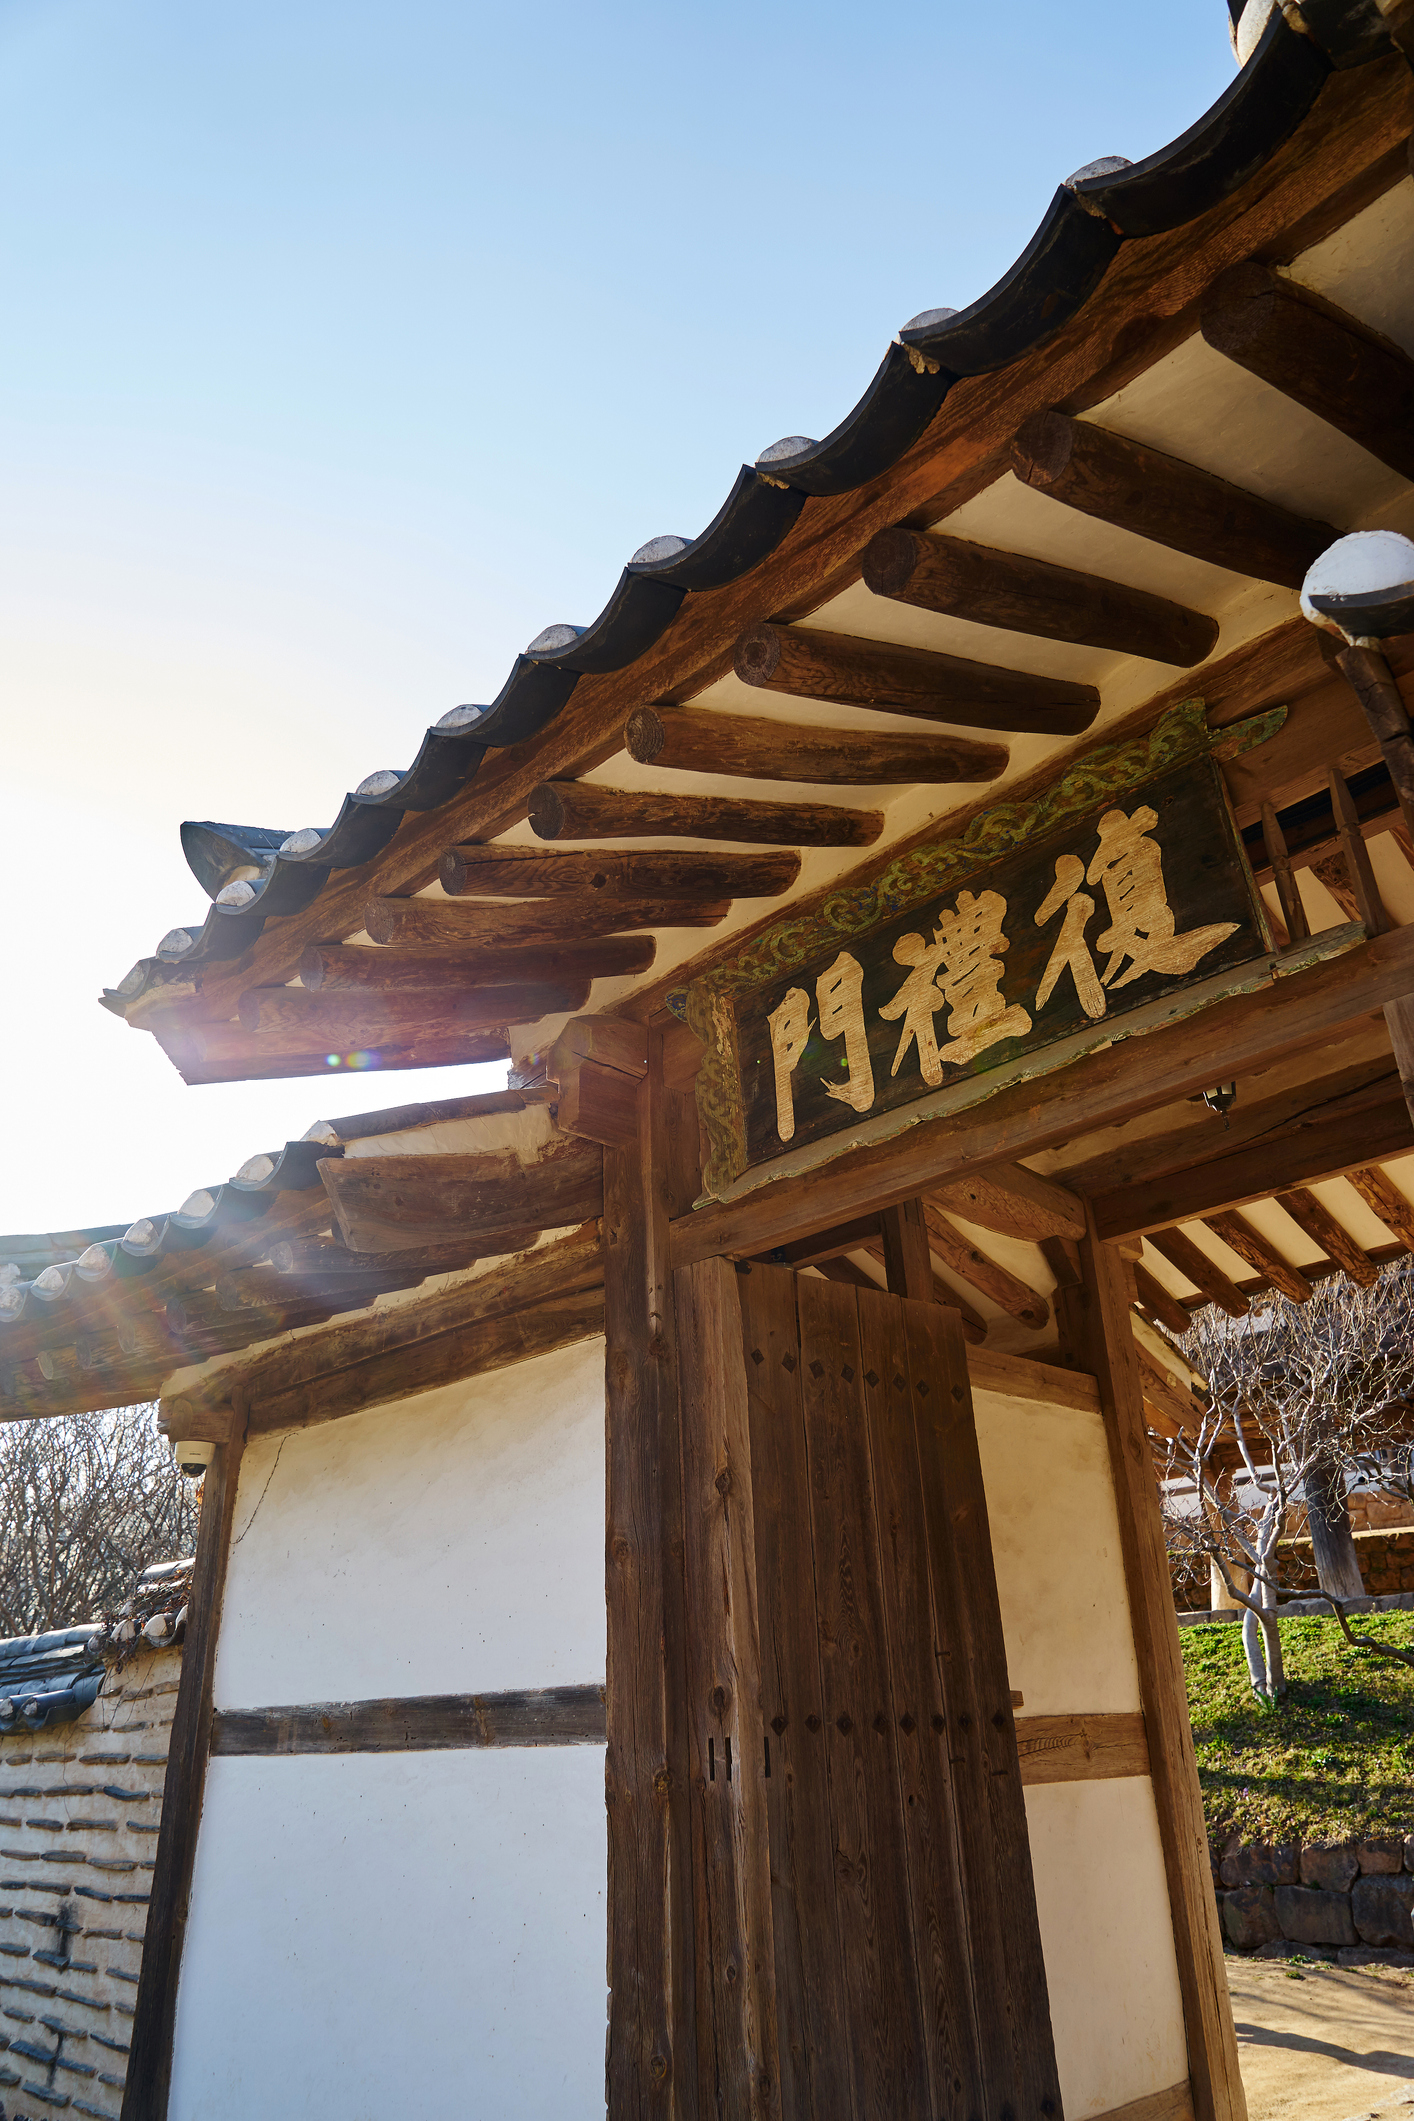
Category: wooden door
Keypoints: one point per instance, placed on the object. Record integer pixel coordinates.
(866, 1939)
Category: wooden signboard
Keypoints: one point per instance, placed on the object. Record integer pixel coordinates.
(1122, 883)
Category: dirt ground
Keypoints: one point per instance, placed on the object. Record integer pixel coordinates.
(1335, 2044)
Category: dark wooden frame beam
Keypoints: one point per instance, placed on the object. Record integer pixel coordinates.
(1165, 500)
(331, 968)
(581, 810)
(1316, 356)
(419, 1723)
(369, 1017)
(439, 924)
(149, 2069)
(1205, 1274)
(1111, 1356)
(1312, 1216)
(809, 664)
(1252, 1249)
(1212, 1184)
(1007, 589)
(695, 740)
(616, 872)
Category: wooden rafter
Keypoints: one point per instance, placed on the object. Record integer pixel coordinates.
(1205, 1274)
(1321, 1227)
(1252, 1248)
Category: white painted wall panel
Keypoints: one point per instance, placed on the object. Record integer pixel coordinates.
(420, 1933)
(451, 1543)
(1060, 1573)
(1102, 1900)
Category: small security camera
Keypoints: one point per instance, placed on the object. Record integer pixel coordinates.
(192, 1458)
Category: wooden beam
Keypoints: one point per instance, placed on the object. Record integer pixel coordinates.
(1367, 672)
(1096, 1748)
(1156, 1298)
(386, 1203)
(1204, 1273)
(414, 1723)
(1169, 502)
(651, 2059)
(812, 665)
(974, 1325)
(612, 1041)
(1368, 906)
(331, 967)
(578, 810)
(1302, 1157)
(1014, 1202)
(598, 1104)
(521, 872)
(149, 2069)
(695, 740)
(1178, 1800)
(1264, 1259)
(422, 1365)
(995, 588)
(368, 1017)
(1319, 358)
(1298, 928)
(1380, 1193)
(267, 1289)
(224, 1053)
(565, 1266)
(1035, 1383)
(1323, 1229)
(318, 1256)
(906, 1237)
(971, 1264)
(438, 924)
(1237, 1036)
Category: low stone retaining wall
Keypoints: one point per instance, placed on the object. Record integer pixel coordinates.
(1349, 1902)
(1386, 1563)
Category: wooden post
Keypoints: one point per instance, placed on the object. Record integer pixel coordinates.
(650, 2065)
(906, 1257)
(149, 2075)
(1110, 1355)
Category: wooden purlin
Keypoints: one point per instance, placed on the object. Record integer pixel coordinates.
(1359, 118)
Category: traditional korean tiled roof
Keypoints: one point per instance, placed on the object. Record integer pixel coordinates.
(257, 874)
(52, 1678)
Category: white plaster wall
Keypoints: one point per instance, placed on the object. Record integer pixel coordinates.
(1102, 1900)
(1060, 1574)
(450, 1543)
(416, 1933)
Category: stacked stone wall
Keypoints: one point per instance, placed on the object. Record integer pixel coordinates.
(1349, 1902)
(80, 1805)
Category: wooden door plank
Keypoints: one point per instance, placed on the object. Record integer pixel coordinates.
(736, 2009)
(810, 1994)
(940, 1940)
(994, 1846)
(887, 2047)
(1207, 2011)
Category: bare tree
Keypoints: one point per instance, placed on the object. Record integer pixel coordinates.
(87, 1501)
(1302, 1399)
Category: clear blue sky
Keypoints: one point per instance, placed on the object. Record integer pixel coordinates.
(347, 346)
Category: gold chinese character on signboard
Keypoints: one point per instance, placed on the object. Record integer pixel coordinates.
(961, 970)
(1071, 952)
(839, 993)
(790, 1028)
(1129, 868)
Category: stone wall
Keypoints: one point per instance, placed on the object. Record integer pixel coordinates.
(1386, 1563)
(1350, 1902)
(80, 1805)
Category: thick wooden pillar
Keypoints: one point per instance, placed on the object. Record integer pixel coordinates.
(1110, 1354)
(650, 2060)
(149, 2075)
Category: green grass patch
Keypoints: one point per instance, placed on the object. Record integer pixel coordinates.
(1334, 1760)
